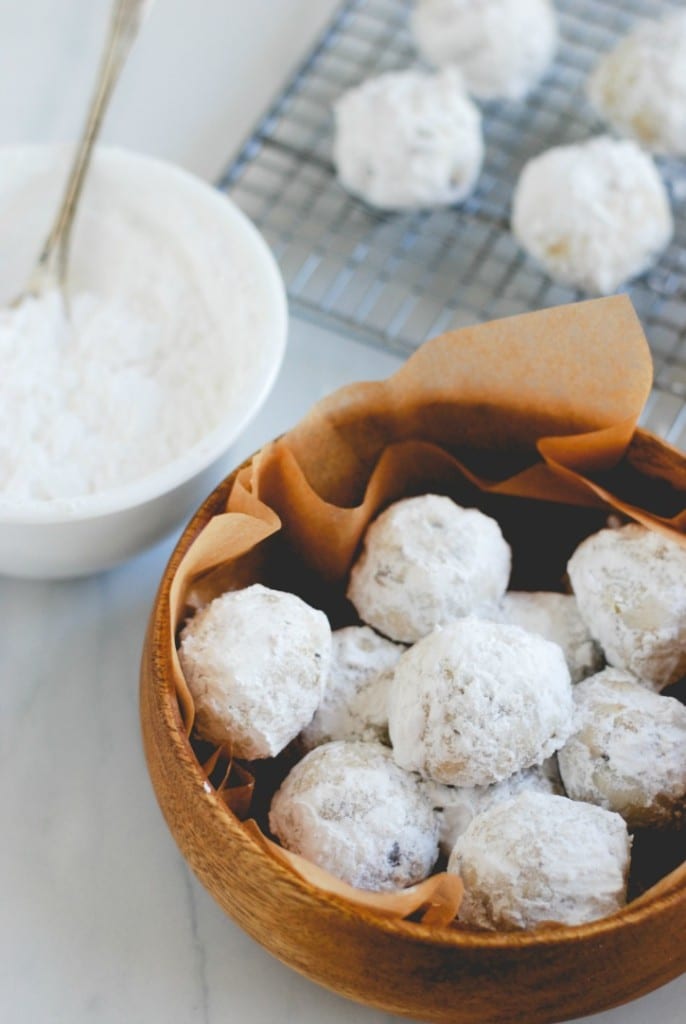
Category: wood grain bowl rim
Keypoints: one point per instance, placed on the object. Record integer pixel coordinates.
(671, 890)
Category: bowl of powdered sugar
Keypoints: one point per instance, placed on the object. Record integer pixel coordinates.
(117, 409)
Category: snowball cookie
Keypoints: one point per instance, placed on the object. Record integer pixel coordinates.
(640, 86)
(408, 139)
(557, 618)
(502, 47)
(427, 561)
(255, 661)
(541, 858)
(629, 751)
(594, 214)
(477, 701)
(354, 705)
(348, 808)
(458, 805)
(630, 586)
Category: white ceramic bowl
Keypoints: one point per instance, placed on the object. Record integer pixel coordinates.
(70, 537)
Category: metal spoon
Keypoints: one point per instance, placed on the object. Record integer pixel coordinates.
(50, 270)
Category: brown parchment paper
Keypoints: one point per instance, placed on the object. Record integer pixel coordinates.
(533, 418)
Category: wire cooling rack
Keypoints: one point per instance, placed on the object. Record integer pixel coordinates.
(396, 279)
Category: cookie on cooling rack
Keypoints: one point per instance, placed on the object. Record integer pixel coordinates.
(501, 47)
(639, 88)
(408, 139)
(594, 214)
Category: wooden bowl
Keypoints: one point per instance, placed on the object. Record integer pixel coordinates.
(433, 974)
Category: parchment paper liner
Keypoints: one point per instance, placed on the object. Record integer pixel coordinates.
(541, 407)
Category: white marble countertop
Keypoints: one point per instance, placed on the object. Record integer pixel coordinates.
(100, 920)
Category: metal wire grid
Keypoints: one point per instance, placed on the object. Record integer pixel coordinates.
(397, 279)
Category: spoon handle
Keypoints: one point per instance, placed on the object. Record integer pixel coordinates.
(126, 20)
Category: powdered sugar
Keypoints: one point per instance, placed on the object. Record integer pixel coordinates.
(98, 399)
(170, 337)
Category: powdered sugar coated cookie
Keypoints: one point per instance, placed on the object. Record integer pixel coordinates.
(408, 139)
(255, 661)
(630, 586)
(540, 858)
(456, 806)
(594, 214)
(629, 751)
(557, 618)
(350, 809)
(425, 562)
(640, 86)
(476, 701)
(354, 705)
(502, 47)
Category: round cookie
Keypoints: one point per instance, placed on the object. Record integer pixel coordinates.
(348, 808)
(630, 586)
(629, 751)
(408, 140)
(640, 86)
(557, 618)
(255, 661)
(502, 47)
(477, 701)
(457, 806)
(594, 214)
(354, 705)
(539, 858)
(425, 562)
